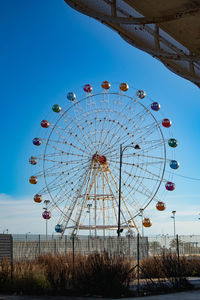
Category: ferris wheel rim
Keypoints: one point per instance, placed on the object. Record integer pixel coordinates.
(94, 95)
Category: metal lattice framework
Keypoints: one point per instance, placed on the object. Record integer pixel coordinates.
(169, 30)
(80, 161)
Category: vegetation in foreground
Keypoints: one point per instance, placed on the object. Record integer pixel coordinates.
(96, 274)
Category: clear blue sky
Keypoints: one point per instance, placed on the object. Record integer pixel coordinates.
(46, 49)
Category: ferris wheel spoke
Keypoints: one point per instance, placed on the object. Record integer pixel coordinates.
(92, 132)
(66, 153)
(88, 128)
(72, 176)
(108, 110)
(114, 197)
(95, 131)
(114, 205)
(66, 143)
(42, 157)
(133, 191)
(124, 202)
(148, 192)
(113, 122)
(78, 181)
(51, 185)
(54, 154)
(147, 127)
(70, 133)
(69, 162)
(147, 171)
(151, 147)
(128, 175)
(62, 162)
(114, 128)
(75, 201)
(143, 137)
(121, 140)
(101, 132)
(123, 127)
(107, 134)
(137, 164)
(116, 135)
(126, 138)
(41, 173)
(75, 173)
(152, 143)
(103, 204)
(54, 185)
(79, 212)
(79, 129)
(146, 156)
(139, 118)
(148, 178)
(85, 127)
(97, 124)
(115, 176)
(115, 146)
(87, 141)
(54, 161)
(55, 173)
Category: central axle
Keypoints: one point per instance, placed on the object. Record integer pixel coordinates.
(101, 159)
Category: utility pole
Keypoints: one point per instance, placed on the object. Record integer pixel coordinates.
(45, 208)
(174, 218)
(141, 215)
(88, 211)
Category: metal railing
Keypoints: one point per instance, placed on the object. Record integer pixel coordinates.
(33, 245)
(29, 246)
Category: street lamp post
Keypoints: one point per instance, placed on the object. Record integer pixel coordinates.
(141, 215)
(174, 218)
(45, 208)
(89, 206)
(27, 235)
(119, 230)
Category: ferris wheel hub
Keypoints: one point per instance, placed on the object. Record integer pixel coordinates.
(101, 159)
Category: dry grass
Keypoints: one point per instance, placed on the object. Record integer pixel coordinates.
(105, 275)
(95, 274)
(169, 271)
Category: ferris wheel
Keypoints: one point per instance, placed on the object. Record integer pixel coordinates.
(80, 160)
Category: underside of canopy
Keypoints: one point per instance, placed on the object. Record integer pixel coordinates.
(168, 30)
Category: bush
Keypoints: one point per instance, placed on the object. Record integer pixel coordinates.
(26, 278)
(32, 283)
(58, 270)
(166, 268)
(97, 274)
(103, 275)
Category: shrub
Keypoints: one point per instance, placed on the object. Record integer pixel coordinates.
(103, 275)
(166, 268)
(58, 270)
